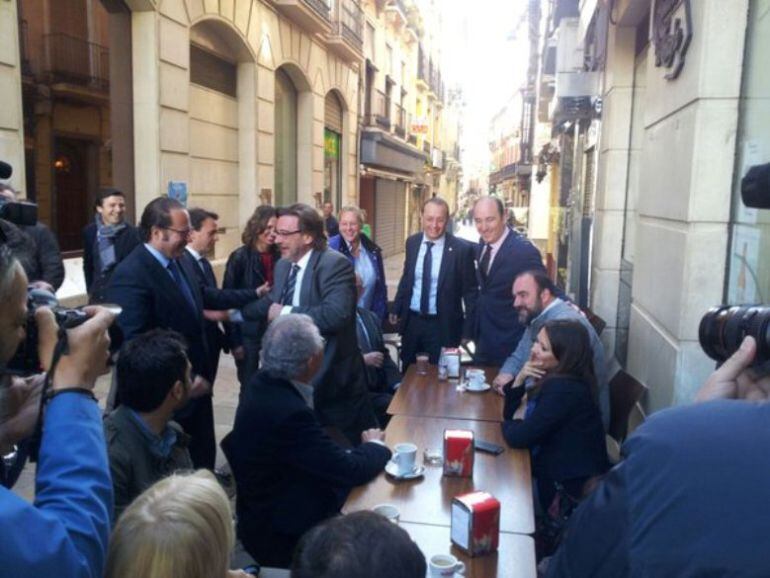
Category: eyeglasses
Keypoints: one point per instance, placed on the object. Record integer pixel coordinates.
(286, 233)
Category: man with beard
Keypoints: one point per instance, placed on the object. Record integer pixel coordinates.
(535, 301)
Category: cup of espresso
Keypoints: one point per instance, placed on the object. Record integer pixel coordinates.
(476, 378)
(388, 511)
(445, 565)
(404, 456)
(423, 362)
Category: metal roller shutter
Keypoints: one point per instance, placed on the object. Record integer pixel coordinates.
(390, 203)
(333, 113)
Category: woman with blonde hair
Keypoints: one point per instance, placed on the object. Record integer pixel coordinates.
(181, 527)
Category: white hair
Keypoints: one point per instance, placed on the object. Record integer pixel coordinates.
(289, 343)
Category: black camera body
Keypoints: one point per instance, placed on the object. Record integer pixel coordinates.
(723, 329)
(26, 361)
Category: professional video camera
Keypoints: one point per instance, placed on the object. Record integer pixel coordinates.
(723, 328)
(19, 213)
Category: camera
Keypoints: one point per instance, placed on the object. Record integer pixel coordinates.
(723, 328)
(26, 361)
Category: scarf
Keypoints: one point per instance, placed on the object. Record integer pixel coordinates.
(105, 242)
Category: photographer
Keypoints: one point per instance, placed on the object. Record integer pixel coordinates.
(65, 531)
(691, 495)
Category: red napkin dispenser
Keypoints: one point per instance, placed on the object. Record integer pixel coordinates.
(458, 453)
(476, 523)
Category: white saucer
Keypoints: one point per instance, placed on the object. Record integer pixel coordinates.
(455, 575)
(482, 388)
(392, 470)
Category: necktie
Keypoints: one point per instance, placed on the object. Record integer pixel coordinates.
(427, 269)
(181, 283)
(208, 272)
(287, 295)
(484, 263)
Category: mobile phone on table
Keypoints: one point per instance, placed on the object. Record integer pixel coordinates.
(488, 447)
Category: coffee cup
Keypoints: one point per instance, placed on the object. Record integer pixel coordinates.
(404, 456)
(423, 362)
(445, 565)
(476, 378)
(388, 511)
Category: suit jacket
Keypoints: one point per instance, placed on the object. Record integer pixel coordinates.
(289, 473)
(49, 266)
(457, 285)
(497, 330)
(565, 426)
(380, 296)
(688, 499)
(214, 298)
(125, 241)
(378, 379)
(328, 296)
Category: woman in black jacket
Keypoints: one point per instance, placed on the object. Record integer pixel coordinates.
(562, 426)
(251, 267)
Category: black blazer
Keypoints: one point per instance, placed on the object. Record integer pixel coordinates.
(125, 241)
(457, 285)
(497, 330)
(289, 473)
(217, 299)
(328, 296)
(565, 425)
(380, 379)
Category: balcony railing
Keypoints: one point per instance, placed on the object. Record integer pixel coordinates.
(350, 22)
(77, 61)
(423, 66)
(380, 109)
(401, 116)
(426, 148)
(321, 7)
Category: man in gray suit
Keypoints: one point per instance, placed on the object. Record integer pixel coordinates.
(319, 282)
(535, 300)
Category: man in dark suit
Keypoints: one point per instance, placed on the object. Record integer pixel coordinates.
(330, 221)
(382, 374)
(203, 238)
(289, 473)
(106, 242)
(156, 292)
(500, 257)
(438, 279)
(312, 279)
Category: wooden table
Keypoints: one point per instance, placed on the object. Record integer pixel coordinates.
(427, 500)
(425, 395)
(515, 556)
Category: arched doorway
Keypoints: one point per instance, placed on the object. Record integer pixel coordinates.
(285, 139)
(333, 153)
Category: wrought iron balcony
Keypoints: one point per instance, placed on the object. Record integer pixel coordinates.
(397, 10)
(423, 69)
(313, 15)
(347, 37)
(381, 109)
(74, 60)
(401, 121)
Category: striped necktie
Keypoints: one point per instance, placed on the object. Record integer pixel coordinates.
(287, 295)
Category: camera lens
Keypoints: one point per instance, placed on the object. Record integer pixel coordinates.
(723, 329)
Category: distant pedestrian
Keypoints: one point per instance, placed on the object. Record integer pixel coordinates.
(330, 223)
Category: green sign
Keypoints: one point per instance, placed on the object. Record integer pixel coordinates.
(331, 144)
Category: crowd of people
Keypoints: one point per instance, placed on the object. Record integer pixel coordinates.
(302, 309)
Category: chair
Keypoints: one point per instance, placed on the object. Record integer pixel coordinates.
(596, 322)
(625, 393)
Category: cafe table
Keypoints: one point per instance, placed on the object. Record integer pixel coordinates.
(426, 396)
(427, 500)
(515, 556)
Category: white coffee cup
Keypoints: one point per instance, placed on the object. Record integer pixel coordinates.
(388, 511)
(404, 456)
(476, 378)
(443, 565)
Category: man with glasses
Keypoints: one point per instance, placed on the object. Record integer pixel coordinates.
(319, 282)
(155, 292)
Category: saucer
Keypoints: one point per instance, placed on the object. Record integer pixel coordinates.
(479, 389)
(392, 470)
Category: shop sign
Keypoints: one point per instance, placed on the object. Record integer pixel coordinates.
(331, 144)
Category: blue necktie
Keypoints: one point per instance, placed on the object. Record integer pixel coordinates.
(287, 295)
(427, 270)
(181, 283)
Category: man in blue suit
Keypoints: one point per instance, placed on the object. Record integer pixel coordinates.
(156, 291)
(501, 255)
(437, 281)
